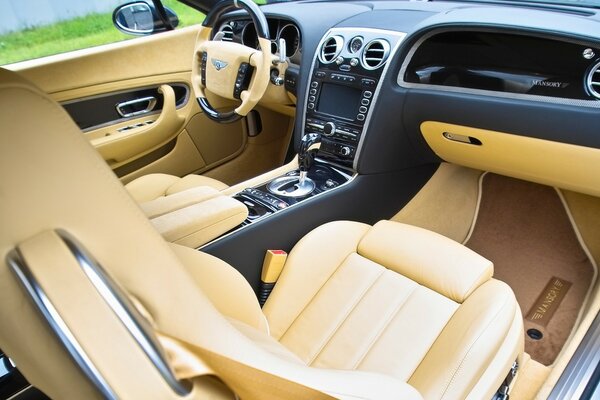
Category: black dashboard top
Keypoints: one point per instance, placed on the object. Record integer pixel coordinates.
(465, 63)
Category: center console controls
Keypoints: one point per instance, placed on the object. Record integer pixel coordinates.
(344, 82)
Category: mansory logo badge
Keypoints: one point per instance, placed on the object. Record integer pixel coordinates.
(219, 65)
(552, 84)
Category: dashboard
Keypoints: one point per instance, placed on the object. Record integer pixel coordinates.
(372, 76)
(243, 31)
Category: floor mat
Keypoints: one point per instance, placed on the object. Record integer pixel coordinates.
(524, 230)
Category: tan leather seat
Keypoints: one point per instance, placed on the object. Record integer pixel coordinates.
(153, 186)
(360, 312)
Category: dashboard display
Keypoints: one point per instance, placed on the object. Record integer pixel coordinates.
(339, 100)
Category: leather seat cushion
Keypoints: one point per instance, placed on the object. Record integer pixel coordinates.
(397, 300)
(152, 186)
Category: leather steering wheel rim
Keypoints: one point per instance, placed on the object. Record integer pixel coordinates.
(204, 64)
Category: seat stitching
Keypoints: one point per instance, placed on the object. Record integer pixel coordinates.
(399, 306)
(468, 352)
(315, 295)
(352, 308)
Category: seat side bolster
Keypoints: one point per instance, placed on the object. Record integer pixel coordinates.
(224, 286)
(150, 187)
(470, 343)
(310, 264)
(427, 258)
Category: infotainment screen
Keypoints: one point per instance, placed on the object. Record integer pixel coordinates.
(339, 100)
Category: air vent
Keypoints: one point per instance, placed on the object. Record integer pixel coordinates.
(593, 81)
(375, 54)
(227, 32)
(331, 49)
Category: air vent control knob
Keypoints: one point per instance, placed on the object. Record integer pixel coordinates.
(339, 60)
(329, 128)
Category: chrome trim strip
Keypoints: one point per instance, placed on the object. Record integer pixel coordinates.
(581, 367)
(17, 395)
(118, 301)
(56, 323)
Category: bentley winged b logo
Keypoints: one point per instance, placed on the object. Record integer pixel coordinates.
(219, 65)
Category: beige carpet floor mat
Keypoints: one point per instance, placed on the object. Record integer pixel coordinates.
(524, 230)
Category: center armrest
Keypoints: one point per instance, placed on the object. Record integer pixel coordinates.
(199, 223)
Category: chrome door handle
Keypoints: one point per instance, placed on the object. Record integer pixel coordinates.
(135, 107)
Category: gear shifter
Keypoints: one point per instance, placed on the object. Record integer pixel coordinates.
(292, 185)
(308, 149)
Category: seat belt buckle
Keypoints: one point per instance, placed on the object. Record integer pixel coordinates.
(271, 269)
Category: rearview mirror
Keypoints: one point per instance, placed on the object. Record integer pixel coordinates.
(141, 18)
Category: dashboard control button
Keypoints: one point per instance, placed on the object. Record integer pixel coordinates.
(314, 84)
(360, 117)
(367, 94)
(345, 67)
(311, 106)
(320, 74)
(311, 99)
(339, 60)
(368, 82)
(329, 129)
(345, 151)
(365, 102)
(313, 91)
(362, 109)
(354, 62)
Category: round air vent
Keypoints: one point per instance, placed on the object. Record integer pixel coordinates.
(593, 81)
(375, 54)
(331, 49)
(227, 32)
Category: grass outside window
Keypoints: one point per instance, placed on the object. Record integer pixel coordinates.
(78, 33)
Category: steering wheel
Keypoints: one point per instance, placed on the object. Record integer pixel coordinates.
(231, 70)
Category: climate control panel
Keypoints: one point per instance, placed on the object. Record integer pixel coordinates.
(343, 86)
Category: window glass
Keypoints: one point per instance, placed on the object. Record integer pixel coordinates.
(36, 28)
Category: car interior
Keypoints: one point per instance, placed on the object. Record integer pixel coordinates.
(307, 200)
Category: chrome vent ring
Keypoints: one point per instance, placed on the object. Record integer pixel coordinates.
(592, 81)
(375, 54)
(331, 49)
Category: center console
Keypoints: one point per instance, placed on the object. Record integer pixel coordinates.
(345, 78)
(343, 89)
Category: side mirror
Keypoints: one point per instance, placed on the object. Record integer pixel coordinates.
(141, 18)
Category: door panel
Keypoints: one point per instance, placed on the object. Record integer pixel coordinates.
(89, 83)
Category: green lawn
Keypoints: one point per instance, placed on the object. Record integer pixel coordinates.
(78, 33)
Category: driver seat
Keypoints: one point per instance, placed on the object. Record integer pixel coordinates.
(389, 311)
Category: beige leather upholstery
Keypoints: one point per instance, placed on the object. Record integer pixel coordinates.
(397, 300)
(202, 222)
(153, 186)
(190, 211)
(57, 180)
